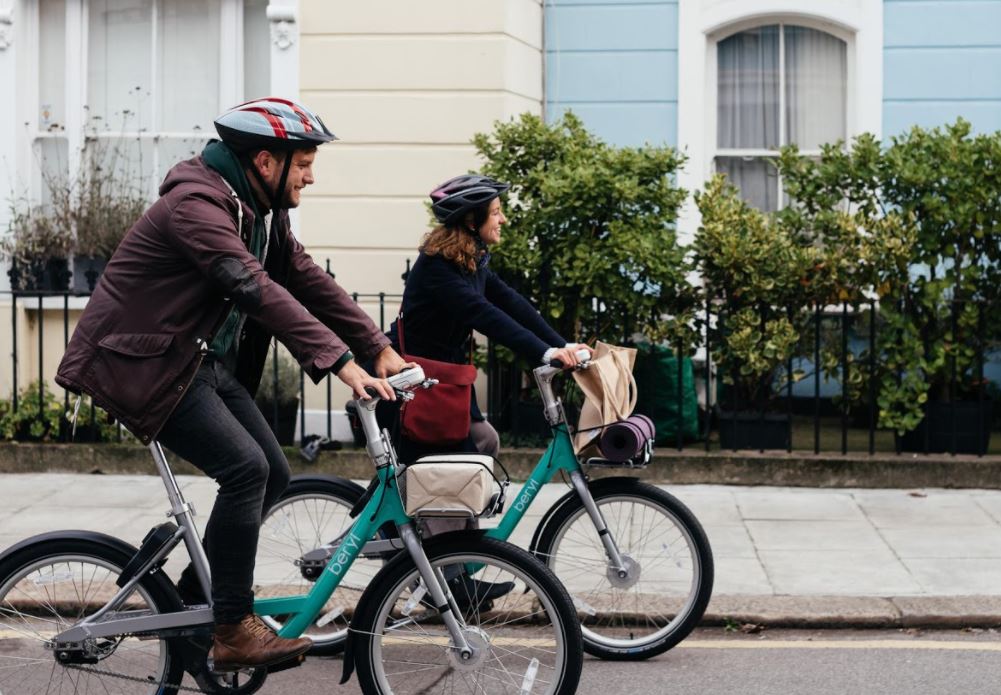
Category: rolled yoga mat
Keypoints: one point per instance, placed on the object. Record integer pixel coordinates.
(625, 440)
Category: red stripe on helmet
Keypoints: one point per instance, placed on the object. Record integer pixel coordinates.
(273, 120)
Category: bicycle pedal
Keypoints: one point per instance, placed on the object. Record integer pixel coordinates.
(287, 664)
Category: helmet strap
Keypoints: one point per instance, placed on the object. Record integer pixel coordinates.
(279, 193)
(274, 195)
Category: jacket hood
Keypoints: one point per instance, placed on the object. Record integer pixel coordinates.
(193, 170)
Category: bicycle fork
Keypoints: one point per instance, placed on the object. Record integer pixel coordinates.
(619, 566)
(435, 583)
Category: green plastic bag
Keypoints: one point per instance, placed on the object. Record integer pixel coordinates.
(656, 373)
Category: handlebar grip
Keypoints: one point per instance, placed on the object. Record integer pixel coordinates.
(556, 364)
(370, 390)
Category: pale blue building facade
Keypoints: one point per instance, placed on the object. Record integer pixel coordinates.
(615, 63)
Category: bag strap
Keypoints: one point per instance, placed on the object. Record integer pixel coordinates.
(399, 330)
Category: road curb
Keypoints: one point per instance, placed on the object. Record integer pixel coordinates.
(855, 612)
(688, 467)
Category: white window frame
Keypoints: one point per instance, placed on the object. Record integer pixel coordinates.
(703, 23)
(284, 79)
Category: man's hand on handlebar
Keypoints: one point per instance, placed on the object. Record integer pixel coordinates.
(389, 362)
(572, 355)
(358, 379)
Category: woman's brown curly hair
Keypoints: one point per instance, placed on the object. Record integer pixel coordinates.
(453, 243)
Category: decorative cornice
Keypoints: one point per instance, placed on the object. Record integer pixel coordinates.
(283, 30)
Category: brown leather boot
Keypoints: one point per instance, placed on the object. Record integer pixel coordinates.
(252, 643)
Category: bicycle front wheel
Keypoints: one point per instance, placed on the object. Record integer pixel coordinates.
(46, 588)
(518, 619)
(669, 563)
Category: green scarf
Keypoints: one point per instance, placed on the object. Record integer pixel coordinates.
(219, 157)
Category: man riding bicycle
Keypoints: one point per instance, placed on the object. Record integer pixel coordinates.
(174, 338)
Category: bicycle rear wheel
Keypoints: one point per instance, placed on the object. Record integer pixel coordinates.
(47, 587)
(527, 640)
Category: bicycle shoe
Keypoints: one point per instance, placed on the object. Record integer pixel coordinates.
(190, 589)
(469, 592)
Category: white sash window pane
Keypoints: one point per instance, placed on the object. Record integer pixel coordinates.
(52, 65)
(176, 150)
(256, 50)
(119, 65)
(816, 84)
(52, 155)
(748, 92)
(757, 180)
(188, 62)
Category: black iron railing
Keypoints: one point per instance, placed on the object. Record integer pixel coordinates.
(815, 405)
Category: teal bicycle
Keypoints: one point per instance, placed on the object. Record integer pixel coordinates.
(633, 557)
(83, 612)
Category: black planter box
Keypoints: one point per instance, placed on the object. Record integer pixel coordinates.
(86, 271)
(49, 275)
(937, 425)
(748, 430)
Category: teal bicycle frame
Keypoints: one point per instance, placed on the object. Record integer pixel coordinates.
(383, 506)
(559, 456)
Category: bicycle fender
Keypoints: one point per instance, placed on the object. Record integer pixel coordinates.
(593, 485)
(110, 542)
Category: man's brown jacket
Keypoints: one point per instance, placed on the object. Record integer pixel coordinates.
(174, 278)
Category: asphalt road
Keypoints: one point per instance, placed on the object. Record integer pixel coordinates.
(785, 662)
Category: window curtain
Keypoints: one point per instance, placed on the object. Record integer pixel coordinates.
(748, 93)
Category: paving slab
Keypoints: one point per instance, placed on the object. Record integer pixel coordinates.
(838, 572)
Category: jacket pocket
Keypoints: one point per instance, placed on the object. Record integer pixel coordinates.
(131, 369)
(137, 344)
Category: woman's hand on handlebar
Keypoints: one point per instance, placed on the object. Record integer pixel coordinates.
(389, 362)
(568, 356)
(358, 379)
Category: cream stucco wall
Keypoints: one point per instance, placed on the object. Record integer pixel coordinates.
(404, 86)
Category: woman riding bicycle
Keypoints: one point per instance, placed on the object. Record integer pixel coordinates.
(451, 291)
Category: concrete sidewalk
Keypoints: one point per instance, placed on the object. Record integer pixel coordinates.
(784, 556)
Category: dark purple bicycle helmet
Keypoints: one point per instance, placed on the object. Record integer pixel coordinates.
(457, 196)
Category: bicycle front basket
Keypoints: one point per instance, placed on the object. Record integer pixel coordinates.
(457, 485)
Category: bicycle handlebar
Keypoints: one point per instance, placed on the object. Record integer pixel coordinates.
(582, 355)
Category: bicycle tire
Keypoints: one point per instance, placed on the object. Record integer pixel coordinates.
(622, 621)
(48, 585)
(527, 638)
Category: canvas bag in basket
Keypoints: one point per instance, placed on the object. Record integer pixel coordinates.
(449, 485)
(609, 390)
(439, 415)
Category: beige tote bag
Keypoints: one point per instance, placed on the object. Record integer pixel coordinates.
(609, 393)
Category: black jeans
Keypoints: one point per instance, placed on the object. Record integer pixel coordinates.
(219, 429)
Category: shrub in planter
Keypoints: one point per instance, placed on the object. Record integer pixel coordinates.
(929, 208)
(278, 394)
(38, 245)
(755, 277)
(105, 203)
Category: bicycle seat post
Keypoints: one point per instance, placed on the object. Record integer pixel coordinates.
(184, 514)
